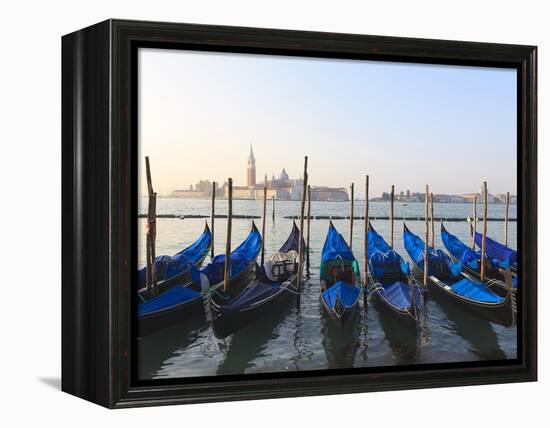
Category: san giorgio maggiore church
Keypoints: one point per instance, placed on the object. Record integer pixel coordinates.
(282, 188)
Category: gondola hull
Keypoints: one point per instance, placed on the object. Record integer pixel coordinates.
(236, 286)
(343, 318)
(158, 320)
(502, 313)
(408, 317)
(231, 321)
(498, 311)
(182, 278)
(495, 281)
(262, 292)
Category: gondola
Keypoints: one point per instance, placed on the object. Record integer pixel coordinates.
(185, 299)
(275, 283)
(507, 257)
(340, 278)
(241, 271)
(391, 282)
(448, 281)
(471, 262)
(172, 270)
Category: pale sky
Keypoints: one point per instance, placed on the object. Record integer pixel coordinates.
(405, 124)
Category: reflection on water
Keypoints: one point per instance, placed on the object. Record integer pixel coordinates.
(302, 338)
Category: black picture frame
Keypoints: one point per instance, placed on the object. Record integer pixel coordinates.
(99, 211)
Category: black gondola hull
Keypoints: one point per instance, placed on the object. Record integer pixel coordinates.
(496, 279)
(500, 314)
(225, 324)
(158, 320)
(183, 277)
(236, 286)
(340, 319)
(406, 318)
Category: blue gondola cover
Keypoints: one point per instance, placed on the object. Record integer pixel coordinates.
(335, 247)
(347, 293)
(241, 257)
(495, 250)
(169, 266)
(475, 291)
(173, 297)
(438, 261)
(255, 292)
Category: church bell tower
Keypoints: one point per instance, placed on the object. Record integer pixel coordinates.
(251, 171)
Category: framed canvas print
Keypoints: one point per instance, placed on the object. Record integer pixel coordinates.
(253, 213)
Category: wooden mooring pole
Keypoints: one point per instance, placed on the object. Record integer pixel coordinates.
(506, 218)
(212, 216)
(484, 235)
(366, 252)
(432, 218)
(391, 214)
(351, 218)
(475, 223)
(426, 237)
(308, 225)
(227, 267)
(273, 208)
(300, 243)
(151, 232)
(263, 225)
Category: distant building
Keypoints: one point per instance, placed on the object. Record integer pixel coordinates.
(282, 187)
(189, 193)
(331, 194)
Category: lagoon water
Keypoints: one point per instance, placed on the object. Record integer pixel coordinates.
(304, 339)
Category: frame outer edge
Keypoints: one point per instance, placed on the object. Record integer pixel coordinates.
(86, 331)
(100, 334)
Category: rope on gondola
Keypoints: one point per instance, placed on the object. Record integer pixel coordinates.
(292, 291)
(217, 293)
(374, 288)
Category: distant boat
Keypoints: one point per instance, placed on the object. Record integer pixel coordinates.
(275, 283)
(340, 278)
(448, 281)
(471, 261)
(391, 282)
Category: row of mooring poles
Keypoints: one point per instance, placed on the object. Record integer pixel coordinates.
(151, 276)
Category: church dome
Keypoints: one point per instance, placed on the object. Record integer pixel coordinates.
(283, 176)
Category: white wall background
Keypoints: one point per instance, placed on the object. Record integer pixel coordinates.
(30, 319)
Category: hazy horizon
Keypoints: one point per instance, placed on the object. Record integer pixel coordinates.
(451, 127)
